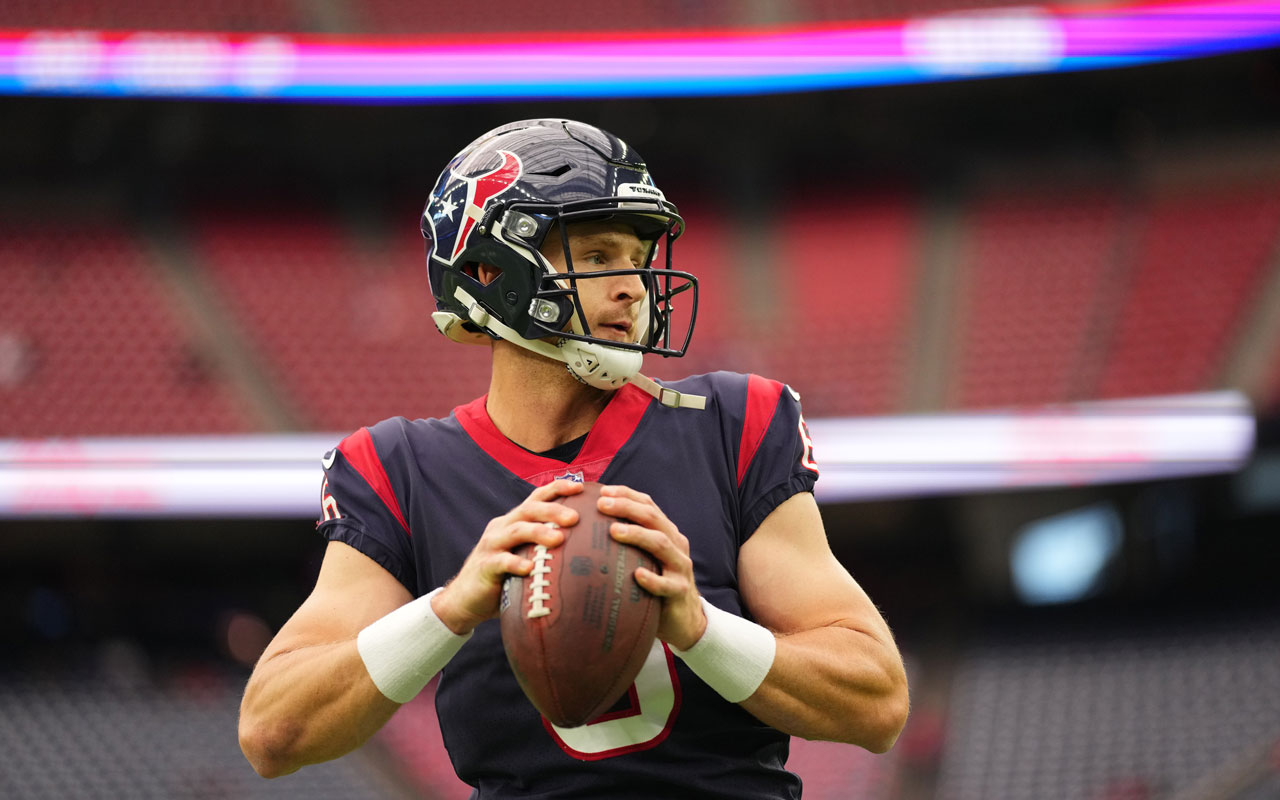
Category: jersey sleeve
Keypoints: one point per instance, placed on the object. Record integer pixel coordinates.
(359, 508)
(775, 454)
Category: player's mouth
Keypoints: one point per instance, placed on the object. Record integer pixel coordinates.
(618, 329)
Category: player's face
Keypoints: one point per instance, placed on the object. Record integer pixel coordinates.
(611, 304)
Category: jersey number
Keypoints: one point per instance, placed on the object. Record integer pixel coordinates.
(327, 504)
(655, 701)
(806, 458)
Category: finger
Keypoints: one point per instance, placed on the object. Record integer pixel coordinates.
(638, 511)
(660, 584)
(544, 511)
(557, 488)
(619, 490)
(508, 564)
(646, 516)
(511, 536)
(671, 550)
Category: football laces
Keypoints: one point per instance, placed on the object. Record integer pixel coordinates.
(538, 595)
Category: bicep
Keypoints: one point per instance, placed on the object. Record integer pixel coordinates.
(791, 581)
(351, 591)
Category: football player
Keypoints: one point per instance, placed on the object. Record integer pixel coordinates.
(549, 241)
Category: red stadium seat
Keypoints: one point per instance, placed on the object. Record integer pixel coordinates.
(844, 284)
(157, 15)
(509, 16)
(1202, 256)
(1038, 267)
(344, 327)
(706, 250)
(92, 344)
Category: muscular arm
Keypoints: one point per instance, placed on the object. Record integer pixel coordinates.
(310, 697)
(837, 674)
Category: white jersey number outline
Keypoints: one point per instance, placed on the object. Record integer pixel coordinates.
(655, 702)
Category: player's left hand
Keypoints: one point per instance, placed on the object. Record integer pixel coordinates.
(683, 620)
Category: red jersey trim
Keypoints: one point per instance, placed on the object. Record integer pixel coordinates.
(762, 401)
(359, 450)
(611, 431)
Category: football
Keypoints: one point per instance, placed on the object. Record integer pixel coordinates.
(578, 629)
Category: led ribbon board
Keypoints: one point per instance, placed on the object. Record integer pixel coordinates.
(859, 459)
(1024, 39)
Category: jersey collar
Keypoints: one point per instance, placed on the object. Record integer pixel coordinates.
(610, 432)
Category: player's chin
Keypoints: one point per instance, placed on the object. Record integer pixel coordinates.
(615, 335)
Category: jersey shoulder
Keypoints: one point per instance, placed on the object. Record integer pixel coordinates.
(397, 438)
(388, 456)
(733, 393)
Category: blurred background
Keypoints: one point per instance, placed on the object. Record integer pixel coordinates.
(230, 276)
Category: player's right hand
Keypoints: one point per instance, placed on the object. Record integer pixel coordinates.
(472, 596)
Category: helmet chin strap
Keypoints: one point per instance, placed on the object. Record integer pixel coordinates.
(592, 363)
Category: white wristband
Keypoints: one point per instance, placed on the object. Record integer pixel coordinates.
(406, 648)
(733, 656)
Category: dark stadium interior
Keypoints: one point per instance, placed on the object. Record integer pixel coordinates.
(144, 615)
(931, 135)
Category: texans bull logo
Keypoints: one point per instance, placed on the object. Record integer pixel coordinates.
(479, 190)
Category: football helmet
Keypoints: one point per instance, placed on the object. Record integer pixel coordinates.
(497, 202)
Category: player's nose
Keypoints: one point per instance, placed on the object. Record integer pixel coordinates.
(626, 287)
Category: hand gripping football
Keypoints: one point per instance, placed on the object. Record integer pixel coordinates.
(578, 629)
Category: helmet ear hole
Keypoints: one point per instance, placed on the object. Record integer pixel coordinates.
(485, 273)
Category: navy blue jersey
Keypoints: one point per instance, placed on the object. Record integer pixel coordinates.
(415, 497)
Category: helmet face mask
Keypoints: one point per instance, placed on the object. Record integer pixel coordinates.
(653, 331)
(501, 199)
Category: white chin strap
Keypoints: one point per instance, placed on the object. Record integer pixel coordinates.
(592, 363)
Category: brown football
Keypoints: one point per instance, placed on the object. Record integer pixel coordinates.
(578, 629)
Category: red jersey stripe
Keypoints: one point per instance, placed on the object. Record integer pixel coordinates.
(762, 401)
(358, 449)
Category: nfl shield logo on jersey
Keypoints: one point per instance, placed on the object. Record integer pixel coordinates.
(576, 477)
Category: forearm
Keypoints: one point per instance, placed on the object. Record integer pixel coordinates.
(309, 705)
(836, 684)
(833, 681)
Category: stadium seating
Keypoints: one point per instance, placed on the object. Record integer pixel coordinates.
(1271, 401)
(1203, 252)
(508, 16)
(1039, 268)
(404, 16)
(92, 344)
(407, 17)
(827, 312)
(838, 10)
(1111, 711)
(1060, 295)
(706, 250)
(145, 734)
(844, 285)
(156, 15)
(345, 330)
